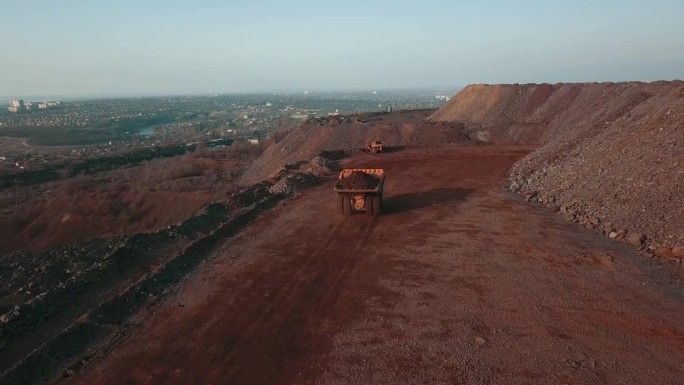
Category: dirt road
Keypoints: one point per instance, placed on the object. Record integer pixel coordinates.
(460, 282)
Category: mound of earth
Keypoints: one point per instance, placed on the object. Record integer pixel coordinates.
(611, 155)
(395, 129)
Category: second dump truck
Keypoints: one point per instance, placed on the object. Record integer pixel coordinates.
(375, 146)
(360, 189)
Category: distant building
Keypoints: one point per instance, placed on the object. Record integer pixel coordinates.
(253, 141)
(15, 105)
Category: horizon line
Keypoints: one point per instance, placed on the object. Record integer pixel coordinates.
(124, 95)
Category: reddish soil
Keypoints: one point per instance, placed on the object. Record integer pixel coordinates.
(58, 304)
(612, 157)
(460, 282)
(128, 200)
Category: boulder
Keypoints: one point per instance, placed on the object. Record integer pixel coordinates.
(636, 239)
(646, 254)
(664, 252)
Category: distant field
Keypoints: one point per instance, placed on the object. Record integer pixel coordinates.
(92, 166)
(22, 145)
(98, 133)
(58, 136)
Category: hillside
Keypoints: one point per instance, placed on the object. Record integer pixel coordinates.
(612, 155)
(395, 129)
(117, 199)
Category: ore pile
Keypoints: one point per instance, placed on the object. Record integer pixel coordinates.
(358, 180)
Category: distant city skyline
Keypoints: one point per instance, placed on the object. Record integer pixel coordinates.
(75, 49)
(4, 99)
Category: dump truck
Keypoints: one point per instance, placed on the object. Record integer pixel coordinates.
(375, 146)
(360, 189)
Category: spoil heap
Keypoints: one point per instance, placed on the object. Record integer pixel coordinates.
(358, 180)
(396, 129)
(610, 157)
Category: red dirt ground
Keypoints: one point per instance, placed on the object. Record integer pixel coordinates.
(458, 282)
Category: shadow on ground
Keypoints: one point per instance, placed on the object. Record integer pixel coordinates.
(385, 150)
(413, 201)
(388, 149)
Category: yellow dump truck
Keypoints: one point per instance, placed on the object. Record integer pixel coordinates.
(375, 146)
(360, 189)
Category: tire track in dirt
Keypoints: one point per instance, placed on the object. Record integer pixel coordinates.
(303, 283)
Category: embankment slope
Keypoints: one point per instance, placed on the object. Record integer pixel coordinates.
(402, 128)
(612, 154)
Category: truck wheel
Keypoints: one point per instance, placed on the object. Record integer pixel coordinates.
(340, 203)
(346, 204)
(369, 199)
(377, 202)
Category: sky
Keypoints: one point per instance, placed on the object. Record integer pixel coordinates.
(150, 47)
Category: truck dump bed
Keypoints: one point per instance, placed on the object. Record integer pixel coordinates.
(360, 180)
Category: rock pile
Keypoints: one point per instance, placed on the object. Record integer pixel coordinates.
(610, 156)
(358, 180)
(299, 176)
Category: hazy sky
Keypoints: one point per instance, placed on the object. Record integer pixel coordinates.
(122, 47)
